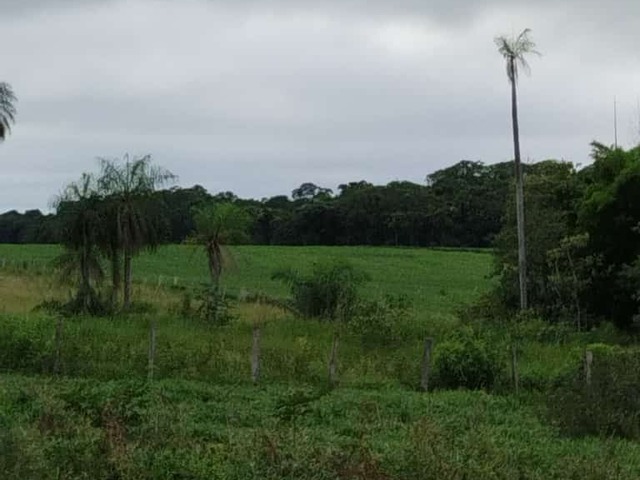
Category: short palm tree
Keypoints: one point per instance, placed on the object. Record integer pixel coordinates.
(218, 224)
(514, 51)
(7, 109)
(77, 208)
(127, 187)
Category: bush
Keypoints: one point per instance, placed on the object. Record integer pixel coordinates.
(466, 360)
(214, 307)
(330, 291)
(538, 330)
(609, 405)
(380, 321)
(209, 304)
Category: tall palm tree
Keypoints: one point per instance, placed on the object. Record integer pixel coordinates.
(514, 50)
(7, 109)
(128, 186)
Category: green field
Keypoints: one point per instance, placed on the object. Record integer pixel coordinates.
(76, 400)
(436, 281)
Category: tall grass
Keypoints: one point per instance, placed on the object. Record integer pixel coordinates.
(180, 429)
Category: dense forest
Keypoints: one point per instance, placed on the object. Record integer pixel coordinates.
(460, 206)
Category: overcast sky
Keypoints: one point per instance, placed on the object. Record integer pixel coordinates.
(257, 97)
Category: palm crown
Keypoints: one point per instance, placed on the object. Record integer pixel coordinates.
(7, 109)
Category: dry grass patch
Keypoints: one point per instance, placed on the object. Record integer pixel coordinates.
(21, 293)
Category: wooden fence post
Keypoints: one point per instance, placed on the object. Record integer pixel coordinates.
(515, 378)
(426, 364)
(152, 349)
(58, 341)
(255, 354)
(333, 362)
(588, 360)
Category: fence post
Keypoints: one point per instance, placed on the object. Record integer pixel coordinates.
(426, 364)
(255, 354)
(152, 349)
(515, 378)
(588, 360)
(58, 341)
(333, 361)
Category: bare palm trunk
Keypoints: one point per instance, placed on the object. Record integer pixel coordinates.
(214, 254)
(522, 255)
(127, 278)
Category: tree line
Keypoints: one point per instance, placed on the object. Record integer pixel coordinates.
(459, 206)
(583, 241)
(582, 227)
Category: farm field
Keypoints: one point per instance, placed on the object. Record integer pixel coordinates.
(436, 281)
(77, 399)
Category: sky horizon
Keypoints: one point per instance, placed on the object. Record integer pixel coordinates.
(258, 97)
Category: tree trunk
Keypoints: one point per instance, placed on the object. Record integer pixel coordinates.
(522, 255)
(127, 278)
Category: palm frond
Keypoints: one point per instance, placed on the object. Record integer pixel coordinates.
(7, 109)
(514, 50)
(68, 265)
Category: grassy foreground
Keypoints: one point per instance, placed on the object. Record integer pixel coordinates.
(177, 429)
(76, 401)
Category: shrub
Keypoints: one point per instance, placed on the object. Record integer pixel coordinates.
(380, 321)
(330, 291)
(609, 404)
(538, 330)
(466, 360)
(207, 303)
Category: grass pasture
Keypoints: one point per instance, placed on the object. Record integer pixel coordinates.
(78, 403)
(436, 281)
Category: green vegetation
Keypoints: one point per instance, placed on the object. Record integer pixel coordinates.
(75, 400)
(460, 206)
(108, 216)
(238, 350)
(181, 429)
(305, 362)
(582, 241)
(606, 400)
(435, 281)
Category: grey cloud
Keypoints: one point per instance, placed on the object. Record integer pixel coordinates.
(257, 97)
